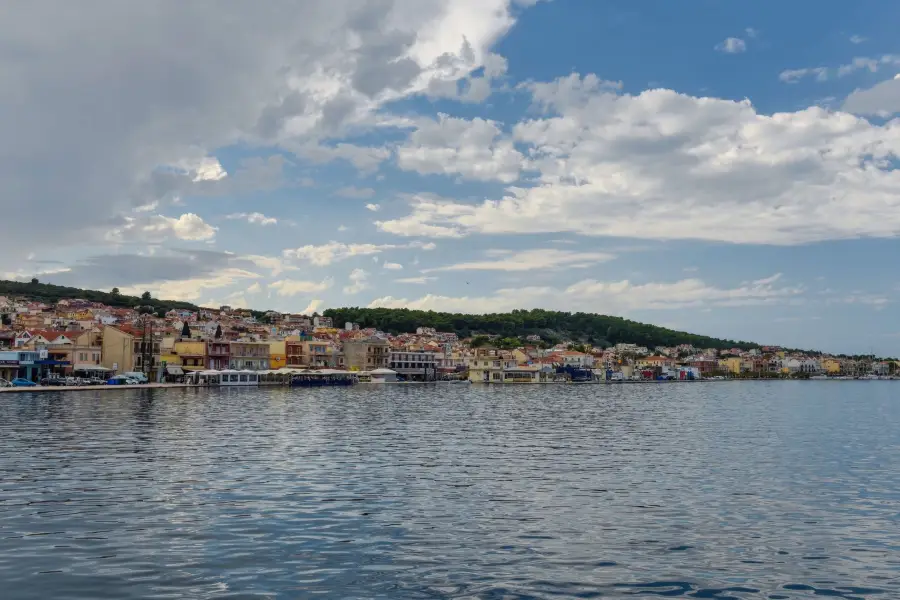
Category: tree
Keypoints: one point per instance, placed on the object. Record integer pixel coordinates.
(186, 330)
(34, 281)
(146, 296)
(115, 291)
(218, 331)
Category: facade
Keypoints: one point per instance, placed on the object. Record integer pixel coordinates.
(367, 355)
(304, 352)
(22, 363)
(418, 366)
(218, 354)
(323, 322)
(191, 355)
(277, 354)
(125, 351)
(249, 356)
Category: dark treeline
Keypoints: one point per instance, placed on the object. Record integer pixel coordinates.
(49, 293)
(550, 325)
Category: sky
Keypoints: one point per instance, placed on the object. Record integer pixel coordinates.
(720, 167)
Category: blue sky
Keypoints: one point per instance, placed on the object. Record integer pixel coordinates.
(720, 167)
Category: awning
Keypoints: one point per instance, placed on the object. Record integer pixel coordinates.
(174, 370)
(90, 367)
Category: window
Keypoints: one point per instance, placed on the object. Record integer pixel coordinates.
(243, 377)
(497, 376)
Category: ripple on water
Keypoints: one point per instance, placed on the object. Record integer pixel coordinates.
(733, 491)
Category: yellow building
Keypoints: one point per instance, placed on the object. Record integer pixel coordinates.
(191, 354)
(832, 366)
(731, 365)
(277, 355)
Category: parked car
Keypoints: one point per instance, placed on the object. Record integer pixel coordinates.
(121, 380)
(20, 382)
(137, 376)
(4, 383)
(53, 380)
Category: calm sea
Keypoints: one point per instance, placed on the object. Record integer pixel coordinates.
(719, 490)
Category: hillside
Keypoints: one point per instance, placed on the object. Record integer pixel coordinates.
(49, 293)
(550, 325)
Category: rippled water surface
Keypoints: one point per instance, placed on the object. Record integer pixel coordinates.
(718, 490)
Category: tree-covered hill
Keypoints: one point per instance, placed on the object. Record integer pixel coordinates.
(49, 293)
(550, 325)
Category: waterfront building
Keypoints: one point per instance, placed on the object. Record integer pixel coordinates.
(367, 354)
(191, 355)
(417, 366)
(277, 354)
(249, 356)
(218, 354)
(128, 349)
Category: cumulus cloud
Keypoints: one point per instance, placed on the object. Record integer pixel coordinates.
(373, 207)
(359, 281)
(732, 45)
(664, 165)
(615, 297)
(392, 266)
(529, 260)
(293, 287)
(882, 99)
(254, 218)
(189, 290)
(471, 149)
(188, 227)
(94, 94)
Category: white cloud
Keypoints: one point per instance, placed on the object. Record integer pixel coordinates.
(373, 207)
(255, 288)
(618, 297)
(392, 266)
(860, 63)
(415, 280)
(342, 228)
(126, 110)
(333, 251)
(732, 45)
(312, 307)
(355, 192)
(795, 75)
(751, 32)
(529, 260)
(469, 148)
(857, 39)
(293, 287)
(208, 169)
(359, 281)
(882, 99)
(254, 218)
(664, 165)
(188, 227)
(192, 289)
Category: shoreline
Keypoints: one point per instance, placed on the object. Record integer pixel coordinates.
(112, 388)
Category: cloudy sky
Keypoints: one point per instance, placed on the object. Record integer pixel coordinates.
(727, 168)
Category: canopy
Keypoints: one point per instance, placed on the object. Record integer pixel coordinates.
(174, 370)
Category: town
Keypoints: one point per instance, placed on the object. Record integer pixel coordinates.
(76, 341)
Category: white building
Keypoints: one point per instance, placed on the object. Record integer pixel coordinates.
(415, 365)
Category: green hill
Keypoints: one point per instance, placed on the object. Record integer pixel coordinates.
(550, 325)
(49, 293)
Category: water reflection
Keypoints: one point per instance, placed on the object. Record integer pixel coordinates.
(756, 490)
